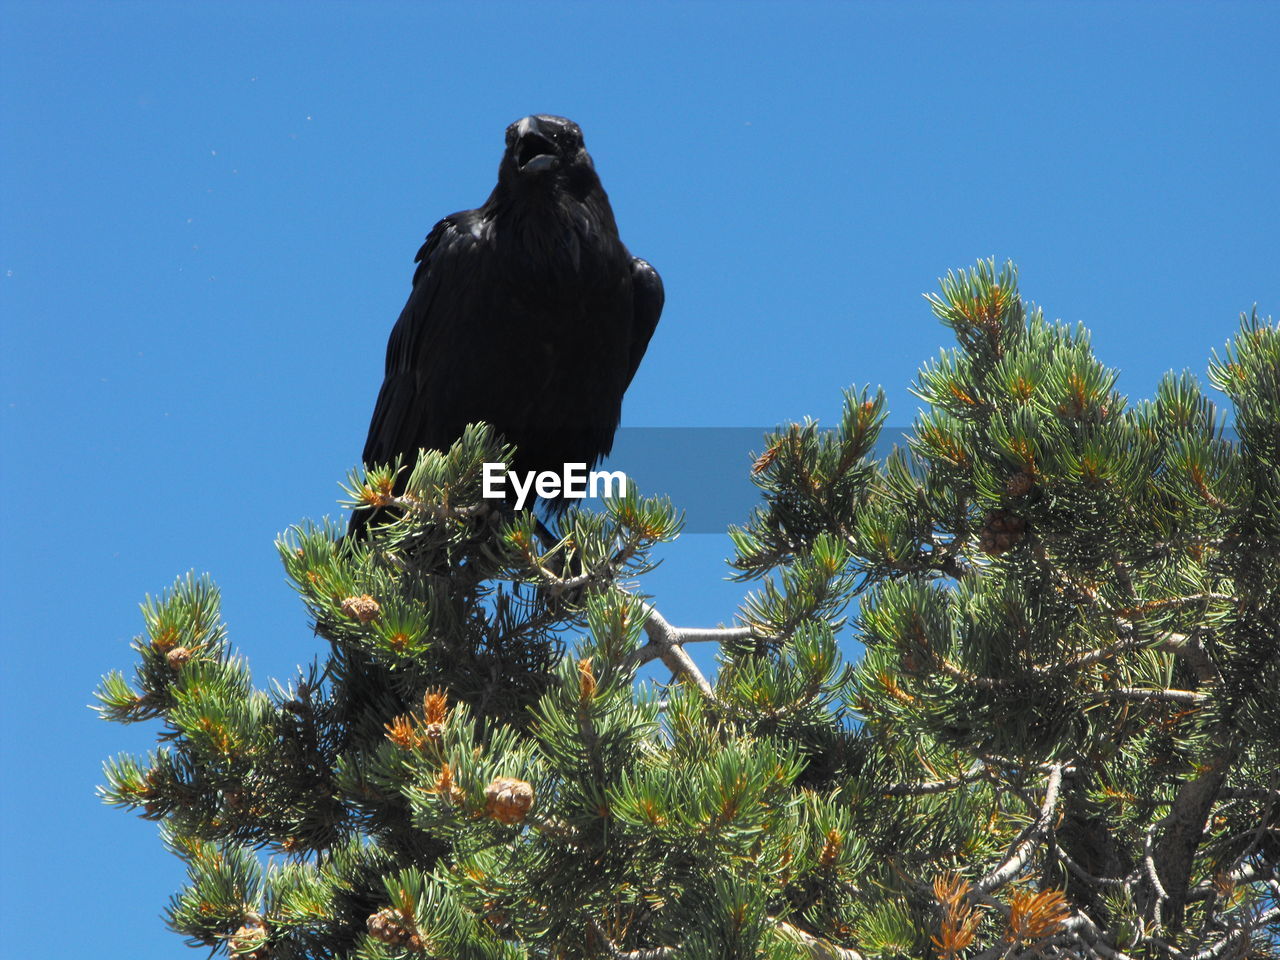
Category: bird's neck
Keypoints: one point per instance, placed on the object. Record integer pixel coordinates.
(553, 234)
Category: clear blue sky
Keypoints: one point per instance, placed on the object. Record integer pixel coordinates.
(209, 218)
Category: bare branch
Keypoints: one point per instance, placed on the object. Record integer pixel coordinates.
(1080, 922)
(1142, 693)
(996, 760)
(666, 640)
(1023, 850)
(713, 634)
(652, 651)
(1103, 883)
(1153, 875)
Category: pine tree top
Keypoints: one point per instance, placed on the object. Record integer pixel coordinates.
(1059, 740)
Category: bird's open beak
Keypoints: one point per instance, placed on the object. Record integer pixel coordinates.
(534, 151)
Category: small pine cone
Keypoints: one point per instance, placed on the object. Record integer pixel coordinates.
(363, 608)
(1019, 484)
(434, 732)
(178, 658)
(250, 941)
(508, 799)
(1001, 531)
(387, 926)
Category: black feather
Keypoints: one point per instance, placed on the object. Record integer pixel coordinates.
(528, 314)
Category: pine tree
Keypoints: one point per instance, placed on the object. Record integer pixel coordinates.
(1062, 739)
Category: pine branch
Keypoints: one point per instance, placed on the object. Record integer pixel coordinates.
(437, 511)
(1185, 646)
(925, 787)
(1175, 643)
(558, 585)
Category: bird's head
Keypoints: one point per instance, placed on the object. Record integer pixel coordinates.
(546, 149)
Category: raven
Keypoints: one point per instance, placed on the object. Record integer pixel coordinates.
(528, 314)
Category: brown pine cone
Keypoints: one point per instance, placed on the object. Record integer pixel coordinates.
(1001, 531)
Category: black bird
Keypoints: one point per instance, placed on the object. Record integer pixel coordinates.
(528, 314)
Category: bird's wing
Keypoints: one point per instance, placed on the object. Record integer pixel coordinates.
(421, 399)
(647, 299)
